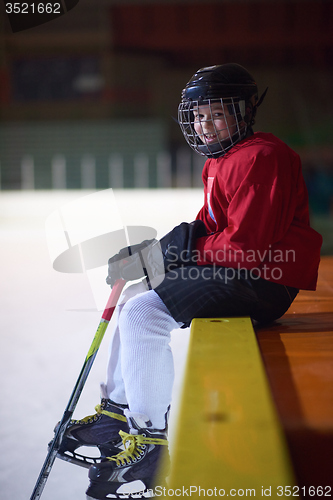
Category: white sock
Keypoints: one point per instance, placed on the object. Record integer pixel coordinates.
(114, 386)
(147, 368)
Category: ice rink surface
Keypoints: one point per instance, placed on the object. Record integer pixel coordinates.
(48, 320)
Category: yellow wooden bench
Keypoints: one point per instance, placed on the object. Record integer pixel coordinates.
(229, 441)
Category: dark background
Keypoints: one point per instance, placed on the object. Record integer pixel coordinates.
(104, 81)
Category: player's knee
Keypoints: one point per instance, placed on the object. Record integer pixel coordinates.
(134, 315)
(144, 314)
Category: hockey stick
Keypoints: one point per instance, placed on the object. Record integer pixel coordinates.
(61, 428)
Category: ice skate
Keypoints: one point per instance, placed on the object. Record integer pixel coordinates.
(100, 430)
(136, 470)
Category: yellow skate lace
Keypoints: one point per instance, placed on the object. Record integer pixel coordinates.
(132, 444)
(92, 418)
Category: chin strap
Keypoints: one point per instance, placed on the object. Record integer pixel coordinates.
(263, 95)
(256, 106)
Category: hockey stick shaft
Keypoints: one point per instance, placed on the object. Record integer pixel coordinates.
(88, 362)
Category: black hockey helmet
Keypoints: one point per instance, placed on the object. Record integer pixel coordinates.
(225, 80)
(232, 88)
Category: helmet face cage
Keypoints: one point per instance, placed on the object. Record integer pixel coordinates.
(212, 126)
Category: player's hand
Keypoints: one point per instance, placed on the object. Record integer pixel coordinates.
(153, 258)
(135, 262)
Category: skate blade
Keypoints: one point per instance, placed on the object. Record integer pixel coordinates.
(89, 455)
(121, 497)
(80, 460)
(133, 490)
(115, 496)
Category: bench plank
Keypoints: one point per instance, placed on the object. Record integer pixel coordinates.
(228, 436)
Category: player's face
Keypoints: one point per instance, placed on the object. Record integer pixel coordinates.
(214, 123)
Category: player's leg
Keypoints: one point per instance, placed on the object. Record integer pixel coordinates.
(114, 385)
(202, 292)
(145, 326)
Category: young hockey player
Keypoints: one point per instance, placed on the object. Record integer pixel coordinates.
(248, 252)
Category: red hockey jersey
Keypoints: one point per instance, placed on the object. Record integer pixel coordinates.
(257, 215)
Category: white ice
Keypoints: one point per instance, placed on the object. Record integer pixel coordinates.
(48, 320)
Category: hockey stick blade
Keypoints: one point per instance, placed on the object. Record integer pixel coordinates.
(88, 362)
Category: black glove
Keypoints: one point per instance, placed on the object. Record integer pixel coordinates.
(178, 245)
(135, 262)
(153, 258)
